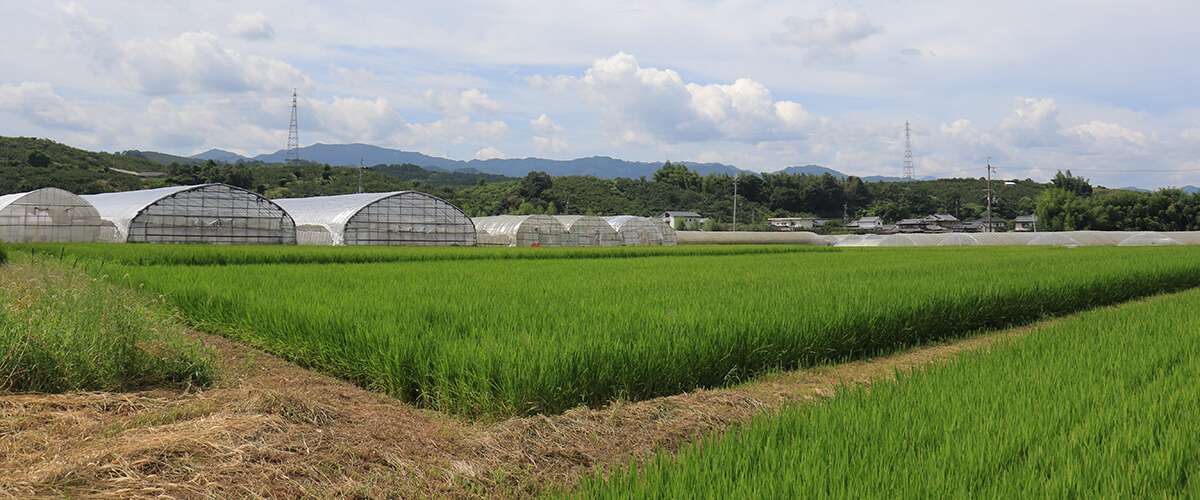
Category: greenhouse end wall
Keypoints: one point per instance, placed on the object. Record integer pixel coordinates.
(48, 215)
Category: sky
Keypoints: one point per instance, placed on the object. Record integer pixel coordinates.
(1107, 89)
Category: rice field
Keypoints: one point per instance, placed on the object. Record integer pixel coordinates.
(1102, 405)
(499, 336)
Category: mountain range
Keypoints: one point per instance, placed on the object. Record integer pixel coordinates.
(598, 166)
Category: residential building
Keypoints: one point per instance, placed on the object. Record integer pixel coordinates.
(677, 219)
(1025, 223)
(795, 223)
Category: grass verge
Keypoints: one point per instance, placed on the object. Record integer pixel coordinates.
(62, 331)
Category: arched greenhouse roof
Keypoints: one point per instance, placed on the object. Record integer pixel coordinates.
(205, 213)
(589, 230)
(521, 231)
(1148, 239)
(749, 238)
(391, 218)
(48, 215)
(635, 230)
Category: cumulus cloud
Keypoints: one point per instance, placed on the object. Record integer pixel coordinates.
(357, 120)
(488, 153)
(544, 125)
(193, 62)
(38, 103)
(467, 102)
(553, 145)
(657, 103)
(251, 26)
(1033, 123)
(1191, 134)
(827, 37)
(1111, 135)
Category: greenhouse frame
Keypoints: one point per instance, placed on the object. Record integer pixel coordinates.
(635, 230)
(391, 218)
(589, 230)
(205, 213)
(521, 231)
(48, 215)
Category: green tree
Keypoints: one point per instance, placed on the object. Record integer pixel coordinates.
(534, 184)
(1067, 182)
(38, 159)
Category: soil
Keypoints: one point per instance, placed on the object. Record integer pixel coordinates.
(271, 429)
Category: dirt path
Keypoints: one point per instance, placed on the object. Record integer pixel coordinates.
(275, 430)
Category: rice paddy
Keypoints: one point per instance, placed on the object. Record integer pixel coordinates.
(1101, 405)
(495, 335)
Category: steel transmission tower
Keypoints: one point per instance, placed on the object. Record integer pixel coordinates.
(292, 156)
(909, 171)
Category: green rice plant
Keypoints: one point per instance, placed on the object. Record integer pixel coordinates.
(3, 253)
(517, 336)
(62, 331)
(210, 255)
(1101, 405)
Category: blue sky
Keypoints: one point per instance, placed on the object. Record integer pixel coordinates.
(1106, 89)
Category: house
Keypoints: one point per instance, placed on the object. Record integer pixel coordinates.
(871, 223)
(939, 223)
(677, 219)
(910, 225)
(793, 223)
(983, 225)
(1025, 223)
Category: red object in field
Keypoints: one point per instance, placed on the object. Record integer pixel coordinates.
(536, 245)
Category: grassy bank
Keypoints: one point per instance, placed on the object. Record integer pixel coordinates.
(63, 331)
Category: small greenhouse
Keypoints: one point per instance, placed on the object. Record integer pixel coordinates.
(635, 230)
(393, 218)
(48, 215)
(206, 213)
(521, 231)
(589, 230)
(1148, 239)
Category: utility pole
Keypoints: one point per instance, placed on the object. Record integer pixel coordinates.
(735, 184)
(990, 169)
(360, 172)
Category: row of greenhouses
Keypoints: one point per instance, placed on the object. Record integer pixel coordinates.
(220, 213)
(572, 231)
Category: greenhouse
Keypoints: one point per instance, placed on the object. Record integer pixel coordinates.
(521, 231)
(206, 213)
(589, 230)
(749, 238)
(393, 218)
(48, 215)
(635, 230)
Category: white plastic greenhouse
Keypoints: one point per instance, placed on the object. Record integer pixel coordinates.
(206, 213)
(521, 231)
(393, 218)
(589, 230)
(749, 238)
(48, 215)
(635, 230)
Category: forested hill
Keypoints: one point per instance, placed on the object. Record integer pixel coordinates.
(1067, 202)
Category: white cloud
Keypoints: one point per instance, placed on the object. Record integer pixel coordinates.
(552, 145)
(544, 125)
(1191, 134)
(488, 153)
(1033, 123)
(658, 104)
(829, 36)
(37, 102)
(457, 130)
(353, 78)
(467, 102)
(356, 120)
(1111, 135)
(251, 26)
(193, 62)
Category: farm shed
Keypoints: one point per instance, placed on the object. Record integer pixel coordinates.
(749, 238)
(635, 230)
(48, 215)
(521, 231)
(205, 213)
(589, 230)
(393, 218)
